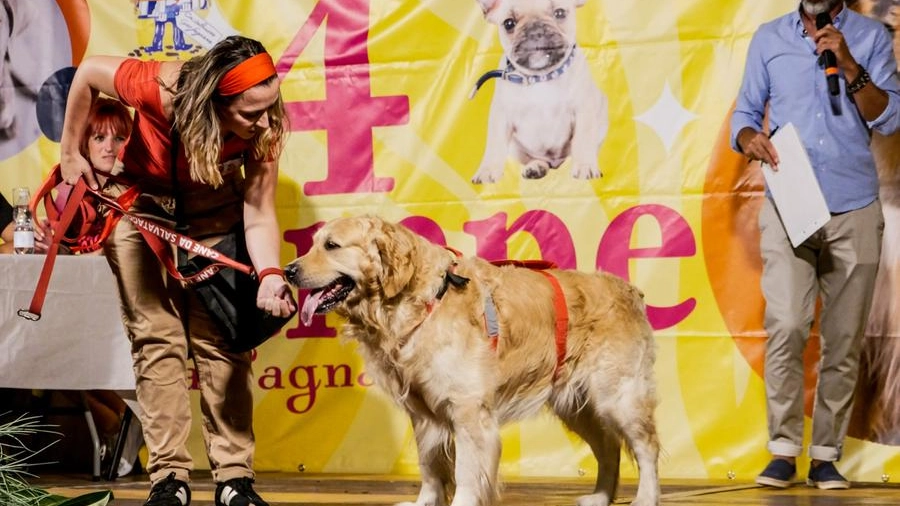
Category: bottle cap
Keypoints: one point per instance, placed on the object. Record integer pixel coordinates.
(21, 196)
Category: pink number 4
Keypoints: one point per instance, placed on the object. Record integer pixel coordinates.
(349, 112)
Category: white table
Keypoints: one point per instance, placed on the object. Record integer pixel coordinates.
(78, 344)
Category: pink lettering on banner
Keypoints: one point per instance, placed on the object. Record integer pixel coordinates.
(305, 381)
(426, 227)
(551, 234)
(351, 160)
(677, 240)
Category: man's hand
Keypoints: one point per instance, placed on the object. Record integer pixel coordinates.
(757, 146)
(830, 38)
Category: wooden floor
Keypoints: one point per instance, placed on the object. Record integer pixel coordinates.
(352, 490)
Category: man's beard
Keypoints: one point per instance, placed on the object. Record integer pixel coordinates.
(814, 8)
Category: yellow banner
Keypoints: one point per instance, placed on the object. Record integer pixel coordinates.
(387, 117)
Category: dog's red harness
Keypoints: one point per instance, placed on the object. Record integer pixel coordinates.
(559, 305)
(490, 310)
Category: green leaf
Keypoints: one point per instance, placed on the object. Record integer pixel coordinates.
(93, 499)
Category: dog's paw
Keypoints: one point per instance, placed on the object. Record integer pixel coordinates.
(535, 169)
(586, 171)
(593, 500)
(487, 175)
(428, 500)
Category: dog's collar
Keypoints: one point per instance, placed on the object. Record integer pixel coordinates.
(510, 74)
(451, 279)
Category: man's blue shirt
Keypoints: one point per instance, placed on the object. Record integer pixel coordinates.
(783, 72)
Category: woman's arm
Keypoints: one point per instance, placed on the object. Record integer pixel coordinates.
(7, 233)
(7, 220)
(264, 236)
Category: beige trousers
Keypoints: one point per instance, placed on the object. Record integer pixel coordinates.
(837, 263)
(152, 305)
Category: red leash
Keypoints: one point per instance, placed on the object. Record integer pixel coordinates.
(37, 301)
(160, 239)
(82, 234)
(82, 201)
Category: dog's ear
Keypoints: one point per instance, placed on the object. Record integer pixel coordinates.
(487, 5)
(396, 247)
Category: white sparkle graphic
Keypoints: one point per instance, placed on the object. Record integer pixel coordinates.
(667, 117)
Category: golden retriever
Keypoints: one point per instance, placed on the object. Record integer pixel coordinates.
(422, 314)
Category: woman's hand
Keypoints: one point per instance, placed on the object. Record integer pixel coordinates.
(74, 166)
(43, 234)
(275, 296)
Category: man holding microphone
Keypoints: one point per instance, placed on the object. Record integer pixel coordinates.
(831, 73)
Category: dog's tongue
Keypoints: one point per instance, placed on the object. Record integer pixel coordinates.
(309, 307)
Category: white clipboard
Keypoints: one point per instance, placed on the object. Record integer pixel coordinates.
(794, 187)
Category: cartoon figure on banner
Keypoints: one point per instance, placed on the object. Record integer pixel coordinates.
(546, 107)
(166, 12)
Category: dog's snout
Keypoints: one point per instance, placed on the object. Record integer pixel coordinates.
(291, 272)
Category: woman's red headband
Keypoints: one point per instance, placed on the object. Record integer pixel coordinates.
(247, 74)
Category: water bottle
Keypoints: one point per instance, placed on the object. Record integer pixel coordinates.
(23, 233)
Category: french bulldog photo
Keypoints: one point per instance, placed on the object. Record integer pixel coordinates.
(546, 107)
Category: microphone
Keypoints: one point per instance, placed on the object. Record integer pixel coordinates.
(823, 19)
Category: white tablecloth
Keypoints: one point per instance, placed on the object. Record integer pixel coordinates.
(79, 343)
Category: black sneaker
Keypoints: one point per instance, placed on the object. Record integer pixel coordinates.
(169, 492)
(238, 492)
(826, 477)
(779, 474)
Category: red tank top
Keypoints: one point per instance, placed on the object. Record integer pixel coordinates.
(146, 154)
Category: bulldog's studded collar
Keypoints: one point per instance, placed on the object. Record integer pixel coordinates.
(510, 74)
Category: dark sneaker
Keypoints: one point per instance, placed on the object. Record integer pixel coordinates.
(826, 477)
(238, 492)
(169, 492)
(779, 474)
